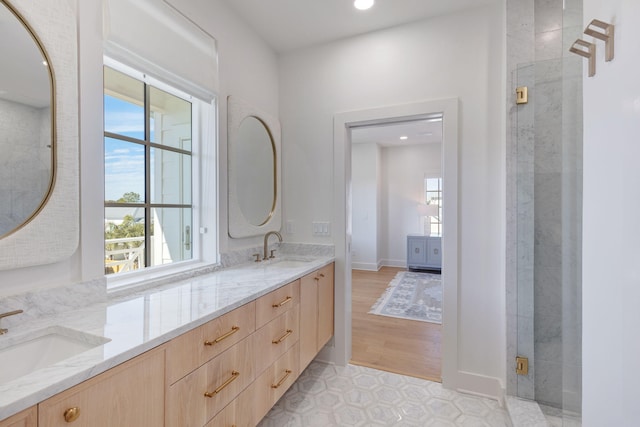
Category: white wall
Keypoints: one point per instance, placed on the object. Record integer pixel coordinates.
(452, 56)
(248, 69)
(403, 172)
(365, 172)
(611, 230)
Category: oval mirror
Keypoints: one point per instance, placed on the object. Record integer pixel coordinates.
(26, 135)
(255, 165)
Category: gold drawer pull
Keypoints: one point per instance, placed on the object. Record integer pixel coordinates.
(283, 379)
(321, 275)
(234, 375)
(233, 330)
(71, 414)
(284, 337)
(286, 300)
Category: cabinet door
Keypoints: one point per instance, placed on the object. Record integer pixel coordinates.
(26, 418)
(416, 251)
(308, 319)
(325, 305)
(131, 394)
(434, 257)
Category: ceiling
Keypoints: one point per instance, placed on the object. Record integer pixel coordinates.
(294, 24)
(428, 131)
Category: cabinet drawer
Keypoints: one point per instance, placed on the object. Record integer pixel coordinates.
(131, 394)
(276, 337)
(276, 380)
(275, 303)
(198, 397)
(238, 413)
(26, 418)
(192, 349)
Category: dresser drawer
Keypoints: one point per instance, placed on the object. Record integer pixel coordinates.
(276, 337)
(275, 303)
(198, 397)
(192, 349)
(276, 380)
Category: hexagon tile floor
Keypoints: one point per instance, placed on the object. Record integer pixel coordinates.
(327, 395)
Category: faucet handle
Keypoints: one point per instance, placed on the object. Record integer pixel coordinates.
(272, 253)
(257, 257)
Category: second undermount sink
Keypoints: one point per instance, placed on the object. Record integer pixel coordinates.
(43, 348)
(288, 263)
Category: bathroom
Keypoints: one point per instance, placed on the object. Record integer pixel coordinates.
(468, 55)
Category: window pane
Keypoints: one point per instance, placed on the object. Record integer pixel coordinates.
(170, 177)
(123, 171)
(433, 184)
(171, 235)
(123, 104)
(170, 120)
(123, 239)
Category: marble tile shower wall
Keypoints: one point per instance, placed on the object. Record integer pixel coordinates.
(543, 159)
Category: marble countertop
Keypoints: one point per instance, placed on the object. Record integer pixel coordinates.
(139, 321)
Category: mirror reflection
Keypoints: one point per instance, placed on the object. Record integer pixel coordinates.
(26, 143)
(255, 167)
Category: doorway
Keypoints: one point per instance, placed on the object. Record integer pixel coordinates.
(394, 166)
(340, 352)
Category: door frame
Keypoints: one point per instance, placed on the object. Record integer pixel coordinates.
(340, 351)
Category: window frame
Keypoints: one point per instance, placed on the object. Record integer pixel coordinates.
(431, 221)
(204, 165)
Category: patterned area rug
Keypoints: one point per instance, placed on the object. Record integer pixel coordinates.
(413, 296)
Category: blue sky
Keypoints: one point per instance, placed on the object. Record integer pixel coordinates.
(124, 161)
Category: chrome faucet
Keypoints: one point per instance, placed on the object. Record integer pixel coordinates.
(266, 241)
(7, 314)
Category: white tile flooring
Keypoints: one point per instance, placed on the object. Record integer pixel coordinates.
(327, 395)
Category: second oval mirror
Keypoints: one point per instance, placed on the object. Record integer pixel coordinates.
(253, 170)
(254, 158)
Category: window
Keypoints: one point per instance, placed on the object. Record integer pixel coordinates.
(149, 168)
(433, 196)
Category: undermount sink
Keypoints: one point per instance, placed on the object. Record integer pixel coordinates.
(46, 347)
(285, 263)
(289, 263)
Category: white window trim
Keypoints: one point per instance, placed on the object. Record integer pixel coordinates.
(204, 188)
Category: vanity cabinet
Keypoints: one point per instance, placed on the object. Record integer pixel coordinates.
(229, 371)
(131, 394)
(317, 308)
(424, 252)
(26, 418)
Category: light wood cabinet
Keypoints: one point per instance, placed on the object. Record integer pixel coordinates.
(276, 337)
(192, 349)
(131, 394)
(198, 397)
(26, 418)
(270, 306)
(276, 380)
(227, 372)
(317, 312)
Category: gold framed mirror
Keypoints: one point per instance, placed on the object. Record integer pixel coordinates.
(253, 142)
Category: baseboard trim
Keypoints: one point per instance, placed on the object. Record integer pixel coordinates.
(480, 385)
(366, 266)
(393, 263)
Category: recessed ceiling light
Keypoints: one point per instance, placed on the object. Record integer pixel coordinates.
(363, 4)
(404, 137)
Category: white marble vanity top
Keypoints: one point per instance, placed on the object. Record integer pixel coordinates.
(140, 321)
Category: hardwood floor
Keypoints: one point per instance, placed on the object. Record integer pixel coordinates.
(407, 347)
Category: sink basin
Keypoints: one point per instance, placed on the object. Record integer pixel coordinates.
(42, 348)
(289, 263)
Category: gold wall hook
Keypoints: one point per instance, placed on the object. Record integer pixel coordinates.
(593, 30)
(590, 53)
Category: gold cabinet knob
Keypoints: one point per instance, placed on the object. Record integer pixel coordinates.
(71, 414)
